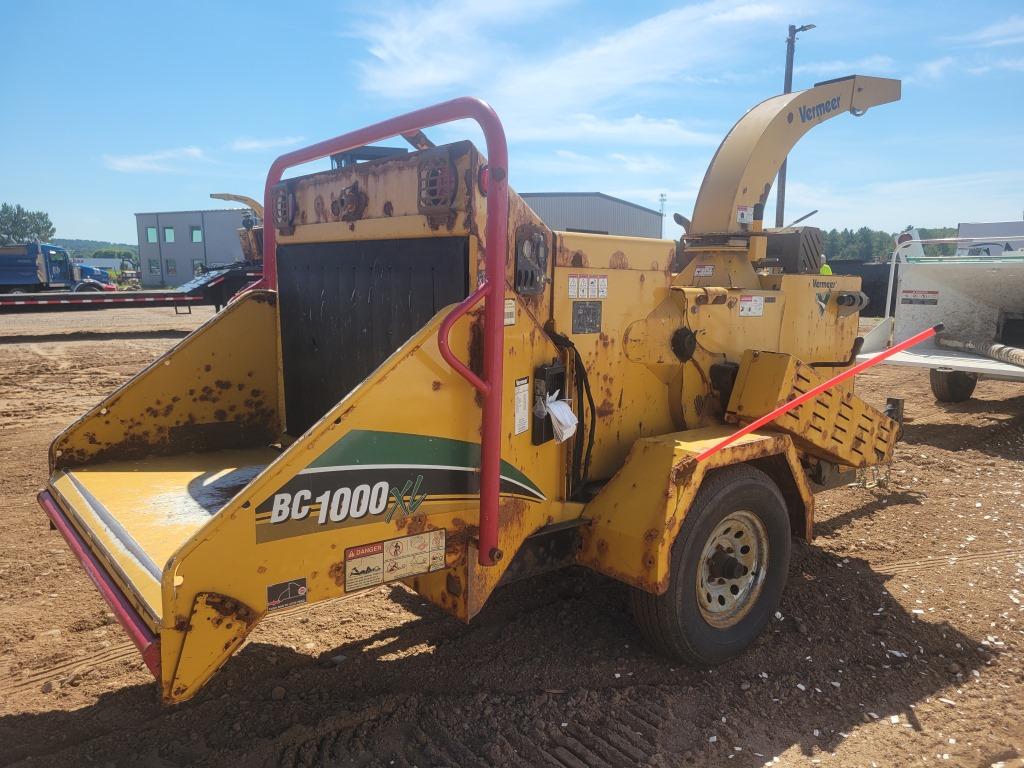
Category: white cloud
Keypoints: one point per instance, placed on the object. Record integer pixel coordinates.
(657, 50)
(1006, 32)
(641, 163)
(1010, 65)
(247, 144)
(161, 161)
(548, 92)
(930, 71)
(421, 48)
(870, 64)
(584, 126)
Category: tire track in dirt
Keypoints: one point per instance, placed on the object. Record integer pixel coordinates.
(67, 670)
(450, 732)
(948, 561)
(71, 668)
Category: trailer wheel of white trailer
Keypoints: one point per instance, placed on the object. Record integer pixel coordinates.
(729, 566)
(951, 386)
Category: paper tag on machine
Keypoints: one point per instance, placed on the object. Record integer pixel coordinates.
(563, 420)
(370, 565)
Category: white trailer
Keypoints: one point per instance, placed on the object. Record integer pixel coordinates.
(977, 297)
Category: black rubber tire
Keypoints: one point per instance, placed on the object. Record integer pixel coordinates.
(87, 288)
(673, 622)
(952, 386)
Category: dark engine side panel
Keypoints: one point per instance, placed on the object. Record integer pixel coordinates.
(345, 307)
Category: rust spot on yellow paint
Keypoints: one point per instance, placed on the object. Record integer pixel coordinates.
(337, 572)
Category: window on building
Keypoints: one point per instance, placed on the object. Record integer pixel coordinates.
(151, 235)
(197, 234)
(154, 266)
(168, 234)
(172, 266)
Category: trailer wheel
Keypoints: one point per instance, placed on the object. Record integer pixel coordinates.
(728, 569)
(952, 386)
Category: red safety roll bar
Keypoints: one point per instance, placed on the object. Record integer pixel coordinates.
(490, 290)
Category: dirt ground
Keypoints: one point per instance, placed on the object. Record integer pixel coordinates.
(898, 641)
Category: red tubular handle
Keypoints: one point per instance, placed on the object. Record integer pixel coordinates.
(490, 290)
(442, 339)
(812, 393)
(127, 617)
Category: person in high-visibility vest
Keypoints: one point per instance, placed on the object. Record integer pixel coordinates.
(825, 268)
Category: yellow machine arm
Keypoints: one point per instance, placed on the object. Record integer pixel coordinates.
(749, 158)
(256, 206)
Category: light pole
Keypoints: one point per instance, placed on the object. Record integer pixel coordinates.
(780, 199)
(661, 199)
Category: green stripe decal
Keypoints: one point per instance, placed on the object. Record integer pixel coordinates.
(371, 447)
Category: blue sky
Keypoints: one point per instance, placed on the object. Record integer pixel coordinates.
(114, 108)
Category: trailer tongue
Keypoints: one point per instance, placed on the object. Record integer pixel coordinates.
(376, 408)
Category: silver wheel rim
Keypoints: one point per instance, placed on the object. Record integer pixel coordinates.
(732, 568)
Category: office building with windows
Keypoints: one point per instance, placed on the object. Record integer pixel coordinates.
(173, 245)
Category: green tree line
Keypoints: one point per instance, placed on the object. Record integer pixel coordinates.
(867, 244)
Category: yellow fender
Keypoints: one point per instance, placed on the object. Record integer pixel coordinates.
(635, 518)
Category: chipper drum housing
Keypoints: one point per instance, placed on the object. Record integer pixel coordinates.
(374, 409)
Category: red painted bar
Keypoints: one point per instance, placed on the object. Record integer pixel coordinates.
(127, 617)
(812, 393)
(490, 290)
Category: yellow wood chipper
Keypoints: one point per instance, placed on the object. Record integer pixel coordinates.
(389, 404)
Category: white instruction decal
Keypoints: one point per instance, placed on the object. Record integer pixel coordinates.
(751, 306)
(510, 311)
(522, 420)
(744, 214)
(374, 564)
(704, 270)
(588, 287)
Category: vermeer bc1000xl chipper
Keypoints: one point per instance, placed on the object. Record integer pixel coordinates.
(375, 409)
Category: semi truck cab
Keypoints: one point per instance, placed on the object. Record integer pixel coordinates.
(38, 267)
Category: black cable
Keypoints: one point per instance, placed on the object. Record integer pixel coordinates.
(579, 474)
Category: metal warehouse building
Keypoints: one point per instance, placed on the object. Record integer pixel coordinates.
(593, 212)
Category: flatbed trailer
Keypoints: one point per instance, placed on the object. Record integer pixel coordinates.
(214, 288)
